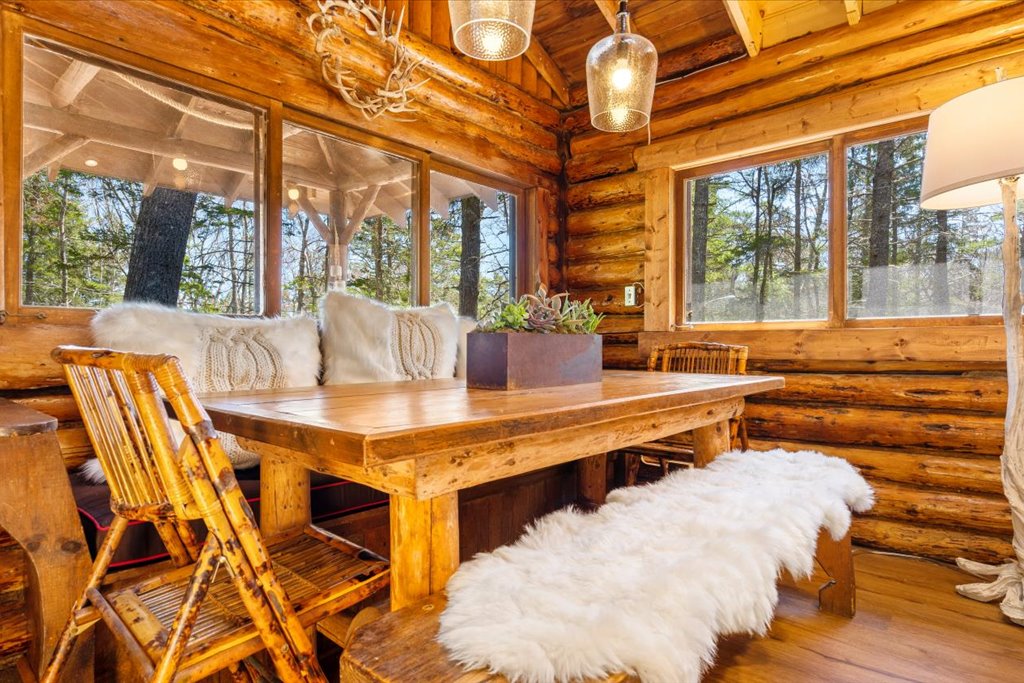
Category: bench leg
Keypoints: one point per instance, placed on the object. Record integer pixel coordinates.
(839, 595)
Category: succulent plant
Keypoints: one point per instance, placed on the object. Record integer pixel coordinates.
(545, 314)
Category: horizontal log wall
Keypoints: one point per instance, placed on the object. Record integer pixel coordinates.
(918, 409)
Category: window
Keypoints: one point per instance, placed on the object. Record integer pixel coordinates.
(904, 261)
(758, 243)
(136, 189)
(347, 218)
(472, 231)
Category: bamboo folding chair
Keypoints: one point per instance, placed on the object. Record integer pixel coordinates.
(227, 598)
(692, 357)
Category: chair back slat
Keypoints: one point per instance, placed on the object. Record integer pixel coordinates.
(699, 357)
(130, 433)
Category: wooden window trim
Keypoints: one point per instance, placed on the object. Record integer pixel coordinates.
(836, 147)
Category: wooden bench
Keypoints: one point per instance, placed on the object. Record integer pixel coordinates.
(401, 647)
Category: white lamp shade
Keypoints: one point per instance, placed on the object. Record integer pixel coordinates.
(621, 73)
(974, 140)
(492, 30)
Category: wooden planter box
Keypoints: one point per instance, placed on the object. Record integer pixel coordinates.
(525, 360)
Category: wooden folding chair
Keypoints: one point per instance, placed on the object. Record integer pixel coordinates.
(693, 357)
(229, 597)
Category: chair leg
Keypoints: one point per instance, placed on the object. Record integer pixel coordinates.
(632, 467)
(741, 424)
(185, 619)
(66, 642)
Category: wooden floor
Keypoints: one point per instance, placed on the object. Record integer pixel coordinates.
(910, 626)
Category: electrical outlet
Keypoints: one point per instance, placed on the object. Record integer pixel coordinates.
(630, 295)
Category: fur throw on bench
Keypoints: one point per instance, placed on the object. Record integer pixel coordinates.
(647, 583)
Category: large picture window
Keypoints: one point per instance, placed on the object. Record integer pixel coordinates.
(347, 220)
(472, 231)
(758, 243)
(134, 189)
(904, 261)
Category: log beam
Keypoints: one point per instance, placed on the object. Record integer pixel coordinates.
(51, 152)
(609, 9)
(314, 215)
(854, 11)
(548, 70)
(71, 83)
(359, 214)
(748, 23)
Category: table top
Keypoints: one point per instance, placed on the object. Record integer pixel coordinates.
(384, 422)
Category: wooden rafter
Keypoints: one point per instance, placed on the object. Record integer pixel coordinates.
(609, 10)
(748, 23)
(232, 188)
(162, 164)
(854, 11)
(548, 70)
(51, 153)
(71, 83)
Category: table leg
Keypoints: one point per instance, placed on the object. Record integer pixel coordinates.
(592, 480)
(38, 511)
(709, 442)
(424, 546)
(284, 496)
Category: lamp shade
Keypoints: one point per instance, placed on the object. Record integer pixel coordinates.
(621, 71)
(974, 140)
(492, 30)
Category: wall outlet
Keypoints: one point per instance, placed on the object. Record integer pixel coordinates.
(630, 295)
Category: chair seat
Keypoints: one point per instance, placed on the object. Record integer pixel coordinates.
(320, 577)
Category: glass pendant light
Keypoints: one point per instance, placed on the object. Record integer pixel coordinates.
(492, 30)
(621, 70)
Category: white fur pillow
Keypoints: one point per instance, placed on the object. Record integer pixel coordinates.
(365, 341)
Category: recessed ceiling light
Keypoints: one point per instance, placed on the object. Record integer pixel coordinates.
(293, 193)
(179, 163)
(91, 163)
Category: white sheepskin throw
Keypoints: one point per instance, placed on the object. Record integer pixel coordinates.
(365, 341)
(647, 583)
(217, 353)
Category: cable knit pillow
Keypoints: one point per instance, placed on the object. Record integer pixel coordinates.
(365, 341)
(217, 353)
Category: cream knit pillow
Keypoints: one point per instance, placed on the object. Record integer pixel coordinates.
(365, 341)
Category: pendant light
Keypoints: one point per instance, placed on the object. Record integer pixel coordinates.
(621, 70)
(492, 30)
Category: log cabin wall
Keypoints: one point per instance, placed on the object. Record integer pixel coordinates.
(494, 119)
(918, 408)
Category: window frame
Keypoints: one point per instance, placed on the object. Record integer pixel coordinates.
(17, 28)
(835, 147)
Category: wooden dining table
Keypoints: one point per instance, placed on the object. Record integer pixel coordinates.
(424, 441)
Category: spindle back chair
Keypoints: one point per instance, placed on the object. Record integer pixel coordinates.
(692, 357)
(270, 595)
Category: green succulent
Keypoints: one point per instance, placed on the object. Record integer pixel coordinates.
(546, 314)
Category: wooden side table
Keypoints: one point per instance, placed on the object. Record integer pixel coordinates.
(38, 511)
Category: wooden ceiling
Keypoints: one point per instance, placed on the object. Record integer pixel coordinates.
(689, 35)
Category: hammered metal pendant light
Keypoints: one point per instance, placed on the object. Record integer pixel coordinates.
(621, 71)
(492, 30)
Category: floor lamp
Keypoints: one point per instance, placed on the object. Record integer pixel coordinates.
(974, 156)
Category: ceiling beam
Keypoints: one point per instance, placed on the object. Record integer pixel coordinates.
(52, 151)
(71, 83)
(748, 23)
(854, 11)
(548, 70)
(609, 9)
